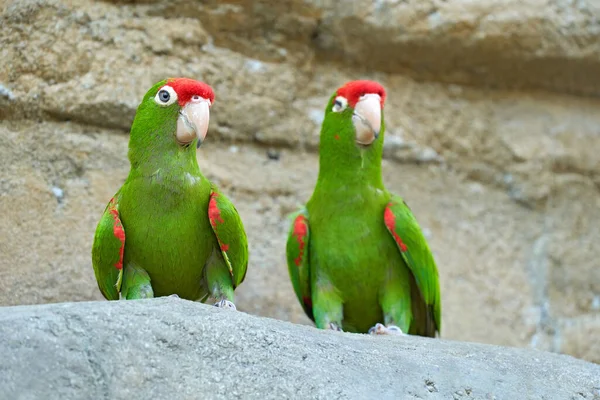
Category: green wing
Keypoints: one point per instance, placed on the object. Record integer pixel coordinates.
(297, 260)
(413, 247)
(107, 251)
(229, 230)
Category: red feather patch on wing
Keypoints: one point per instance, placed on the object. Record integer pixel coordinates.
(118, 230)
(308, 301)
(390, 222)
(353, 90)
(300, 231)
(187, 88)
(214, 216)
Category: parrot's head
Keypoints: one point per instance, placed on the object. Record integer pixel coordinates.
(354, 115)
(175, 111)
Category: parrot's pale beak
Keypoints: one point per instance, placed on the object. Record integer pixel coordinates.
(367, 118)
(193, 121)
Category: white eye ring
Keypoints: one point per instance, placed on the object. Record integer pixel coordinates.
(339, 104)
(165, 96)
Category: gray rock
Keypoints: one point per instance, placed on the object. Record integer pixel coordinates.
(172, 348)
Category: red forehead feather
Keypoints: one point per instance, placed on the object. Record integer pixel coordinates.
(186, 88)
(353, 90)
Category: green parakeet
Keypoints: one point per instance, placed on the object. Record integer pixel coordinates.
(356, 256)
(169, 230)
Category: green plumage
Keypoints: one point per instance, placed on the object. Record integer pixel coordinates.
(170, 246)
(347, 267)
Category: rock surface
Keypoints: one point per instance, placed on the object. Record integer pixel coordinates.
(493, 131)
(171, 348)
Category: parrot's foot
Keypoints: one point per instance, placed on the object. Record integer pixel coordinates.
(380, 329)
(334, 327)
(226, 304)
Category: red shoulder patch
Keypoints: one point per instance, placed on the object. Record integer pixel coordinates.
(390, 222)
(118, 230)
(214, 216)
(300, 231)
(308, 301)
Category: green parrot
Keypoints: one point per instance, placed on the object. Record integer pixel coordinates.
(168, 230)
(356, 255)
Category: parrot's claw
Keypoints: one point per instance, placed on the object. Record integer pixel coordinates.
(380, 329)
(334, 327)
(175, 295)
(226, 304)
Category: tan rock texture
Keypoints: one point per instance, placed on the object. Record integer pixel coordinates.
(493, 138)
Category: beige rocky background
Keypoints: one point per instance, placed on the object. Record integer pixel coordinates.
(493, 139)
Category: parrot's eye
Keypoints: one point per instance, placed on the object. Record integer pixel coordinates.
(339, 104)
(165, 96)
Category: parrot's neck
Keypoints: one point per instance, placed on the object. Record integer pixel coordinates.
(340, 173)
(165, 161)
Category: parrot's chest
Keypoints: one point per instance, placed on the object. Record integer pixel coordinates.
(351, 249)
(349, 236)
(167, 232)
(354, 242)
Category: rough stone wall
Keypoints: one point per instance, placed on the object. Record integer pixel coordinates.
(493, 138)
